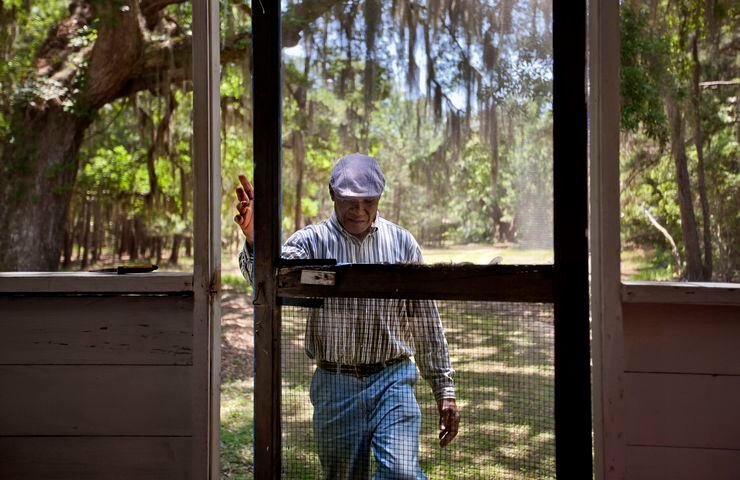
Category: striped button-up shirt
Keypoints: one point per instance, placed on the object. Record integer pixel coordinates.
(353, 331)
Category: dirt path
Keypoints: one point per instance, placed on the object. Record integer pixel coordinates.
(237, 336)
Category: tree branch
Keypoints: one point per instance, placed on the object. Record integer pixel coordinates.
(115, 55)
(719, 83)
(174, 56)
(172, 60)
(301, 16)
(122, 61)
(662, 229)
(151, 10)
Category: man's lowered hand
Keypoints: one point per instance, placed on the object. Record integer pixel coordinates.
(449, 420)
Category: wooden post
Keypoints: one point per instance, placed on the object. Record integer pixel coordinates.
(606, 312)
(570, 188)
(207, 232)
(266, 82)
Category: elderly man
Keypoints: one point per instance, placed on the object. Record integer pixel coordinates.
(363, 388)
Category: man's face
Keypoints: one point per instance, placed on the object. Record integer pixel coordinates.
(355, 214)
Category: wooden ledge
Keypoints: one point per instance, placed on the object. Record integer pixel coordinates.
(687, 293)
(89, 282)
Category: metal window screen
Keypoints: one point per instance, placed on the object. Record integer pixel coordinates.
(502, 354)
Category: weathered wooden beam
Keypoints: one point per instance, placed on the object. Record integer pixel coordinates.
(266, 85)
(501, 283)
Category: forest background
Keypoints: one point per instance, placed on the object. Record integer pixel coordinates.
(454, 98)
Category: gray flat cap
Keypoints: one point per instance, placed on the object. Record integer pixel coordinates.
(357, 176)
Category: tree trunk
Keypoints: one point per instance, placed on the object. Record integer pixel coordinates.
(122, 236)
(40, 151)
(397, 204)
(158, 249)
(699, 143)
(97, 237)
(41, 160)
(189, 247)
(77, 235)
(299, 144)
(87, 215)
(299, 154)
(132, 246)
(175, 253)
(496, 213)
(688, 219)
(67, 249)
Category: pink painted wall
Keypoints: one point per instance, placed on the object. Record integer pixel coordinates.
(682, 391)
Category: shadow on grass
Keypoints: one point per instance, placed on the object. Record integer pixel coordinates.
(237, 425)
(503, 357)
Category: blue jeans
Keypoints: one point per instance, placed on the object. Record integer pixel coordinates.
(352, 415)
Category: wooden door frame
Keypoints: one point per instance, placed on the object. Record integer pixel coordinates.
(207, 240)
(606, 311)
(566, 281)
(267, 119)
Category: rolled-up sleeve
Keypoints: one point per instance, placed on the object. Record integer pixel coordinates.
(296, 247)
(429, 342)
(430, 346)
(246, 262)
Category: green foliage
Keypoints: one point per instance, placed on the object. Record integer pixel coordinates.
(111, 171)
(32, 22)
(235, 282)
(422, 106)
(659, 65)
(644, 59)
(471, 181)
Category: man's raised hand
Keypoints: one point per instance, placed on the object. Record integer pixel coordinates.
(245, 208)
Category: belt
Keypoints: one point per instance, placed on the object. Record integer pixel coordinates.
(361, 370)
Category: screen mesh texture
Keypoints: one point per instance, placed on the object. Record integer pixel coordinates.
(502, 356)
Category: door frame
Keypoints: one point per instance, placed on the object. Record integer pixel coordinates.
(206, 396)
(565, 283)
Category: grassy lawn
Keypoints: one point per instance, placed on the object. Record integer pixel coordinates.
(237, 424)
(641, 264)
(502, 354)
(479, 253)
(503, 358)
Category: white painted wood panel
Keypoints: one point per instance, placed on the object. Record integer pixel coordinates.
(91, 458)
(88, 282)
(682, 338)
(685, 293)
(153, 330)
(680, 410)
(662, 463)
(95, 400)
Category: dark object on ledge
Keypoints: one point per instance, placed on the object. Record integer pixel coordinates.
(122, 269)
